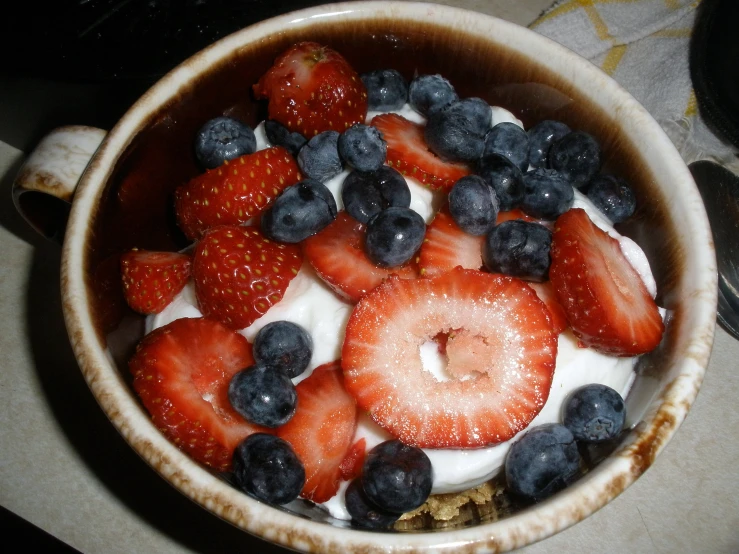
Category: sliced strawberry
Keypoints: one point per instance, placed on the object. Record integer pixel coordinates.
(545, 291)
(407, 152)
(239, 273)
(501, 358)
(322, 430)
(337, 255)
(446, 246)
(234, 192)
(351, 465)
(151, 280)
(181, 373)
(604, 298)
(311, 89)
(515, 213)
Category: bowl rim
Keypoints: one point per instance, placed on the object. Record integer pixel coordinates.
(590, 493)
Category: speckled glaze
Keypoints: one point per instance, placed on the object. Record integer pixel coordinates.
(668, 380)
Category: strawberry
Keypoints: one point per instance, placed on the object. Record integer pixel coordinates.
(408, 153)
(151, 280)
(311, 89)
(515, 213)
(239, 273)
(322, 430)
(446, 246)
(501, 352)
(545, 291)
(351, 465)
(337, 255)
(181, 373)
(604, 298)
(234, 192)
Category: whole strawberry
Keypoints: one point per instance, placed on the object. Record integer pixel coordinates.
(312, 88)
(151, 280)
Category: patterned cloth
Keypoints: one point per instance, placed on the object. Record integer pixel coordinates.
(644, 46)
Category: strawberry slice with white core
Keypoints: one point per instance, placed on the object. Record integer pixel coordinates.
(501, 353)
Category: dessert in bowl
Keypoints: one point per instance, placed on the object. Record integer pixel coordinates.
(125, 200)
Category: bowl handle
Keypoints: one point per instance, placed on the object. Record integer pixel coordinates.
(44, 187)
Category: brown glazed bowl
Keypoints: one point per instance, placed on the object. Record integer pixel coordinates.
(124, 200)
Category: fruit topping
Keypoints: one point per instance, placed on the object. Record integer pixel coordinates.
(279, 135)
(604, 298)
(221, 139)
(285, 346)
(446, 246)
(594, 413)
(263, 395)
(239, 274)
(338, 256)
(501, 358)
(457, 132)
(363, 512)
(266, 468)
(577, 156)
(393, 236)
(363, 147)
(181, 373)
(612, 196)
(311, 89)
(319, 159)
(430, 93)
(386, 90)
(408, 152)
(365, 194)
(541, 137)
(518, 248)
(151, 280)
(351, 465)
(545, 291)
(505, 178)
(509, 140)
(473, 205)
(301, 211)
(322, 430)
(234, 192)
(547, 194)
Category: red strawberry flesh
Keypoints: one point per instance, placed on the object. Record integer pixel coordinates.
(151, 280)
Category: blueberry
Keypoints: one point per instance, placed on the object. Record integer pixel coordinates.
(285, 346)
(386, 90)
(594, 413)
(221, 139)
(541, 137)
(393, 236)
(263, 395)
(319, 159)
(267, 468)
(368, 193)
(509, 140)
(457, 132)
(577, 156)
(518, 248)
(545, 460)
(300, 211)
(397, 477)
(473, 205)
(430, 93)
(505, 178)
(547, 194)
(363, 147)
(612, 196)
(364, 513)
(279, 135)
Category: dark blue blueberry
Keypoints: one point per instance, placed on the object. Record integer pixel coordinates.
(393, 236)
(541, 137)
(367, 194)
(594, 413)
(545, 460)
(319, 159)
(397, 477)
(457, 132)
(612, 196)
(386, 90)
(300, 211)
(577, 156)
(518, 248)
(509, 140)
(363, 147)
(430, 93)
(279, 135)
(263, 395)
(505, 178)
(473, 205)
(221, 139)
(547, 194)
(364, 513)
(266, 468)
(285, 346)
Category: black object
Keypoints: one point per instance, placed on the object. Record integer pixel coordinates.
(714, 66)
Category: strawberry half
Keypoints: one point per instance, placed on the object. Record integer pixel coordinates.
(181, 373)
(151, 280)
(239, 274)
(408, 153)
(322, 430)
(501, 350)
(337, 255)
(446, 246)
(311, 89)
(234, 192)
(604, 298)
